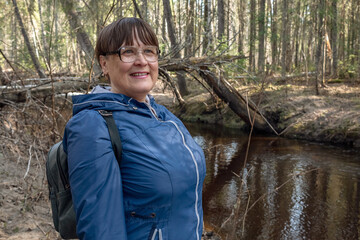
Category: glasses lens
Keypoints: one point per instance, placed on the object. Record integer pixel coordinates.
(150, 53)
(129, 54)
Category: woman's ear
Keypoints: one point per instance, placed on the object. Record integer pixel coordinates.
(103, 64)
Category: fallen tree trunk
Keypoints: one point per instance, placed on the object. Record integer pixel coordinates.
(44, 89)
(237, 103)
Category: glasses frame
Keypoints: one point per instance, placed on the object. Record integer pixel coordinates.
(140, 50)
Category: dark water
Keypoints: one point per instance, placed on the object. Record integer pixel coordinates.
(293, 189)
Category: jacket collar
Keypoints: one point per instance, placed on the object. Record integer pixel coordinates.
(101, 98)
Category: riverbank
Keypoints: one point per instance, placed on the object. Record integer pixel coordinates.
(293, 109)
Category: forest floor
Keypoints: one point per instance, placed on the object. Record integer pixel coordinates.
(331, 117)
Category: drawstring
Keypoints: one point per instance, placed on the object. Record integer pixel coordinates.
(154, 234)
(160, 234)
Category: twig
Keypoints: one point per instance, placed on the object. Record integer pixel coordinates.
(276, 189)
(175, 90)
(2, 54)
(252, 122)
(29, 162)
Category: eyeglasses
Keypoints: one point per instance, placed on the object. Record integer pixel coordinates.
(128, 54)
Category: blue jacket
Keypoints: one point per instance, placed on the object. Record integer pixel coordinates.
(157, 194)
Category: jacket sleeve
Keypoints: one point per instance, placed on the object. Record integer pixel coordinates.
(95, 178)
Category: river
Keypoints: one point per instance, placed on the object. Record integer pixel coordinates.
(289, 189)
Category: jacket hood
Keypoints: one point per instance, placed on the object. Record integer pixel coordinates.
(101, 98)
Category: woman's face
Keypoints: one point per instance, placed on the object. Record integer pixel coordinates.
(135, 79)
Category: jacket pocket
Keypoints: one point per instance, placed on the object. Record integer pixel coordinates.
(147, 223)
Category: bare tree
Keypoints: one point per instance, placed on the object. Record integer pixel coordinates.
(221, 19)
(334, 34)
(261, 19)
(174, 45)
(284, 37)
(252, 37)
(207, 25)
(137, 9)
(43, 34)
(190, 34)
(34, 59)
(241, 13)
(81, 36)
(2, 76)
(296, 40)
(274, 31)
(318, 54)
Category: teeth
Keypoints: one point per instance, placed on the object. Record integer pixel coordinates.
(139, 74)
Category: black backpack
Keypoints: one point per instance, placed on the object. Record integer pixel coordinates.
(58, 180)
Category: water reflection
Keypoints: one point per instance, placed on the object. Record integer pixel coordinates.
(320, 199)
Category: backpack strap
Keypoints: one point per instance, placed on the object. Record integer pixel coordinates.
(114, 133)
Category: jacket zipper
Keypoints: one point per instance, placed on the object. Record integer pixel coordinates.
(152, 110)
(197, 179)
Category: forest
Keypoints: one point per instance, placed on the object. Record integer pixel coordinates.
(287, 68)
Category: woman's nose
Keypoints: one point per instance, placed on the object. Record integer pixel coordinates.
(140, 59)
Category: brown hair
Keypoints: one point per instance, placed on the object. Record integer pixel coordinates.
(114, 35)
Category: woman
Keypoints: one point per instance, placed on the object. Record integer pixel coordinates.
(156, 194)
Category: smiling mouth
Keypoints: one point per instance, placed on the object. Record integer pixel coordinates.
(139, 74)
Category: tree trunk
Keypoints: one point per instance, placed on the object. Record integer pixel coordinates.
(252, 37)
(2, 77)
(207, 26)
(323, 68)
(341, 55)
(170, 26)
(221, 19)
(297, 33)
(137, 9)
(274, 37)
(227, 22)
(56, 39)
(358, 43)
(44, 90)
(119, 9)
(81, 35)
(241, 13)
(43, 34)
(14, 42)
(237, 103)
(289, 29)
(174, 45)
(284, 37)
(145, 10)
(318, 57)
(189, 34)
(261, 19)
(241, 106)
(302, 39)
(334, 33)
(34, 59)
